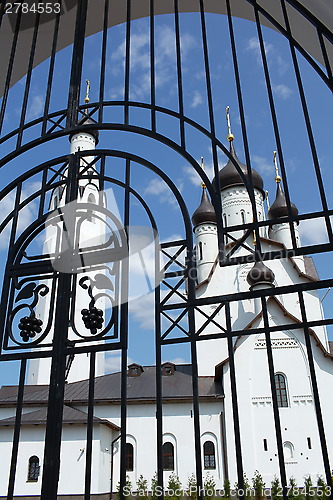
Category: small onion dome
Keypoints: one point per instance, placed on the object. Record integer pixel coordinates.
(85, 120)
(260, 274)
(280, 207)
(205, 211)
(229, 175)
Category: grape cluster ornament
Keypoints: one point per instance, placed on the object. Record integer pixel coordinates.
(29, 326)
(93, 319)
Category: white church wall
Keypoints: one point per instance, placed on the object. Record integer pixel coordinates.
(298, 420)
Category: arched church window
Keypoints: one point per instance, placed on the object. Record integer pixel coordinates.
(281, 390)
(209, 455)
(33, 468)
(168, 456)
(288, 450)
(129, 457)
(91, 198)
(242, 213)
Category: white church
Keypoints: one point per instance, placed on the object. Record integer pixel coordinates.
(301, 444)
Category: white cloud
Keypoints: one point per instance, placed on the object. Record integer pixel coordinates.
(36, 107)
(165, 58)
(142, 311)
(263, 165)
(113, 362)
(254, 47)
(313, 231)
(193, 177)
(271, 52)
(157, 187)
(196, 100)
(282, 91)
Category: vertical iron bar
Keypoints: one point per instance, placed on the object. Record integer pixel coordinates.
(127, 62)
(243, 125)
(179, 77)
(212, 128)
(28, 82)
(152, 66)
(90, 426)
(276, 414)
(194, 364)
(51, 73)
(43, 193)
(308, 124)
(77, 59)
(16, 436)
(321, 428)
(51, 466)
(10, 69)
(275, 122)
(159, 389)
(103, 62)
(124, 334)
(234, 401)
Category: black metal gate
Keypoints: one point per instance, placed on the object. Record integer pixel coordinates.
(39, 280)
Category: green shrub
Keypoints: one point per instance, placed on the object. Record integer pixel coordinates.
(276, 489)
(128, 486)
(174, 487)
(142, 488)
(293, 490)
(226, 488)
(209, 487)
(258, 485)
(191, 489)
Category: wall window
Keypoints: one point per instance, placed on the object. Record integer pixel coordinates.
(168, 456)
(281, 390)
(209, 455)
(33, 468)
(288, 450)
(200, 251)
(129, 457)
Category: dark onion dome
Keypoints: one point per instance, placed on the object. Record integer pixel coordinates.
(86, 120)
(280, 207)
(205, 212)
(229, 175)
(260, 274)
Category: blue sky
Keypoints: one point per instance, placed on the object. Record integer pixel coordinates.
(297, 154)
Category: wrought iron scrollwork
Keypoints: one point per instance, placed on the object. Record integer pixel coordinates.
(93, 317)
(29, 326)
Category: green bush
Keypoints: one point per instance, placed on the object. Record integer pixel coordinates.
(154, 484)
(191, 489)
(293, 490)
(226, 488)
(174, 487)
(128, 486)
(209, 487)
(258, 485)
(142, 487)
(275, 489)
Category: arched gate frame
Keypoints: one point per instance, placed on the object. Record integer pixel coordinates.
(67, 172)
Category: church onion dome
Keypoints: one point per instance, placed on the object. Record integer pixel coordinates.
(260, 274)
(229, 175)
(86, 120)
(205, 212)
(280, 207)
